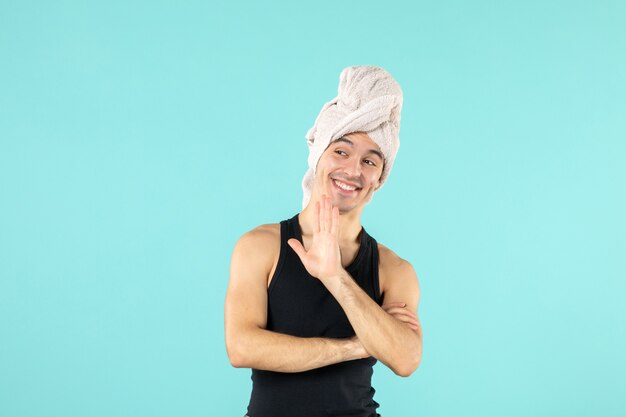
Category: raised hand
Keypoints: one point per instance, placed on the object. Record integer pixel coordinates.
(323, 259)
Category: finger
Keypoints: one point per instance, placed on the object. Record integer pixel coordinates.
(335, 223)
(324, 181)
(394, 304)
(401, 311)
(323, 214)
(317, 217)
(388, 307)
(297, 247)
(329, 213)
(405, 316)
(406, 320)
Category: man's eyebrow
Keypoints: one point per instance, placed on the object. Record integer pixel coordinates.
(344, 139)
(377, 153)
(349, 142)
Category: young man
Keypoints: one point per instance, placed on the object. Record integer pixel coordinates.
(314, 301)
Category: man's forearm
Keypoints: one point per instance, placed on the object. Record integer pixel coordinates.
(383, 336)
(267, 350)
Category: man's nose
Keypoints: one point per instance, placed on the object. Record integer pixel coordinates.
(353, 167)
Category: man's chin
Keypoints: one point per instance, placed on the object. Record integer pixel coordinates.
(348, 207)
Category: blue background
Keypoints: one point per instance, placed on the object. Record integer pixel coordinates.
(139, 140)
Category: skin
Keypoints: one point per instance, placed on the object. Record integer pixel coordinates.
(331, 236)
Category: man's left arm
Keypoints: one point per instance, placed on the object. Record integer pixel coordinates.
(388, 333)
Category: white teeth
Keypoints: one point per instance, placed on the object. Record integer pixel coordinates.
(344, 186)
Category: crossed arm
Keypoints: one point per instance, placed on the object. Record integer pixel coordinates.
(248, 343)
(391, 334)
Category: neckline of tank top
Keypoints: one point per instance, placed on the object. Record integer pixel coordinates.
(362, 244)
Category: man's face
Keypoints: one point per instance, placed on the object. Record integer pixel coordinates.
(349, 171)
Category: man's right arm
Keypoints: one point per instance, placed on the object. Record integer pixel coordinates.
(248, 343)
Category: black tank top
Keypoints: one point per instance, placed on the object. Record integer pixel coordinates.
(300, 305)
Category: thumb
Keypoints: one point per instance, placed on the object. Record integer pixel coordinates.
(297, 247)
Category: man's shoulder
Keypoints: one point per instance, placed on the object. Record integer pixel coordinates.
(265, 234)
(391, 264)
(395, 272)
(258, 248)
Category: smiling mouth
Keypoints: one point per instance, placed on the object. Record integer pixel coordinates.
(344, 187)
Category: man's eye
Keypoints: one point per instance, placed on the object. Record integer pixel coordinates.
(340, 152)
(370, 162)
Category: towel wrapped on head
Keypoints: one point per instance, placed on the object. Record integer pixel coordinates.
(369, 100)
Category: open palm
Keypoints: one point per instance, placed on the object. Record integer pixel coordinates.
(323, 259)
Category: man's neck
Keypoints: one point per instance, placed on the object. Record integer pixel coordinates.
(349, 223)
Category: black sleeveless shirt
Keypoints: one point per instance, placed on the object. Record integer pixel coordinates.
(300, 305)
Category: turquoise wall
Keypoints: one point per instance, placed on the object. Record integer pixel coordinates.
(139, 140)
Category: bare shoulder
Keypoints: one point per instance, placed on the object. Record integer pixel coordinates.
(262, 241)
(388, 260)
(263, 234)
(246, 296)
(393, 269)
(256, 252)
